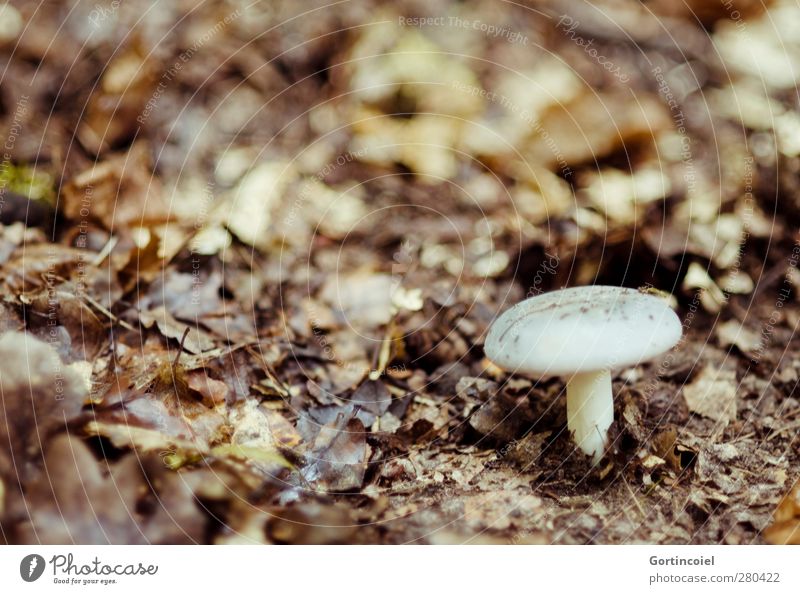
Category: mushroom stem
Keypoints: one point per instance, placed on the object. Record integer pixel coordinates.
(590, 411)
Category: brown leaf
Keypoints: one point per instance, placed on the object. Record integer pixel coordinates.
(312, 523)
(664, 446)
(372, 400)
(258, 426)
(502, 417)
(75, 501)
(733, 333)
(196, 340)
(38, 393)
(161, 421)
(595, 125)
(139, 264)
(215, 391)
(120, 98)
(120, 192)
(785, 528)
(187, 297)
(338, 456)
(713, 394)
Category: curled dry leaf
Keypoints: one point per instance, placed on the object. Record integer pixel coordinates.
(214, 391)
(711, 296)
(120, 192)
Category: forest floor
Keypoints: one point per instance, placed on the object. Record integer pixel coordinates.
(250, 252)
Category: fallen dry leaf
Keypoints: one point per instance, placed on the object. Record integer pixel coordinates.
(785, 528)
(338, 456)
(38, 394)
(712, 394)
(215, 391)
(192, 338)
(733, 333)
(120, 192)
(77, 500)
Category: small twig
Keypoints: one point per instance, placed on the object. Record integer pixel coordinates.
(784, 430)
(107, 248)
(744, 437)
(766, 280)
(99, 307)
(633, 497)
(180, 349)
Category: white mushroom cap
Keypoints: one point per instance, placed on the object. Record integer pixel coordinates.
(582, 329)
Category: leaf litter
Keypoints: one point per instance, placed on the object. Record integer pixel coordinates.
(265, 324)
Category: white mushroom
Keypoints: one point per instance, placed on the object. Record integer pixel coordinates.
(584, 333)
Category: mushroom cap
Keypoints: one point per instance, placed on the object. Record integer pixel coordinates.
(582, 329)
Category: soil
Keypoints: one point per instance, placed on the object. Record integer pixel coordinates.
(250, 255)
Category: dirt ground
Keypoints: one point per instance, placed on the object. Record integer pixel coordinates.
(250, 251)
